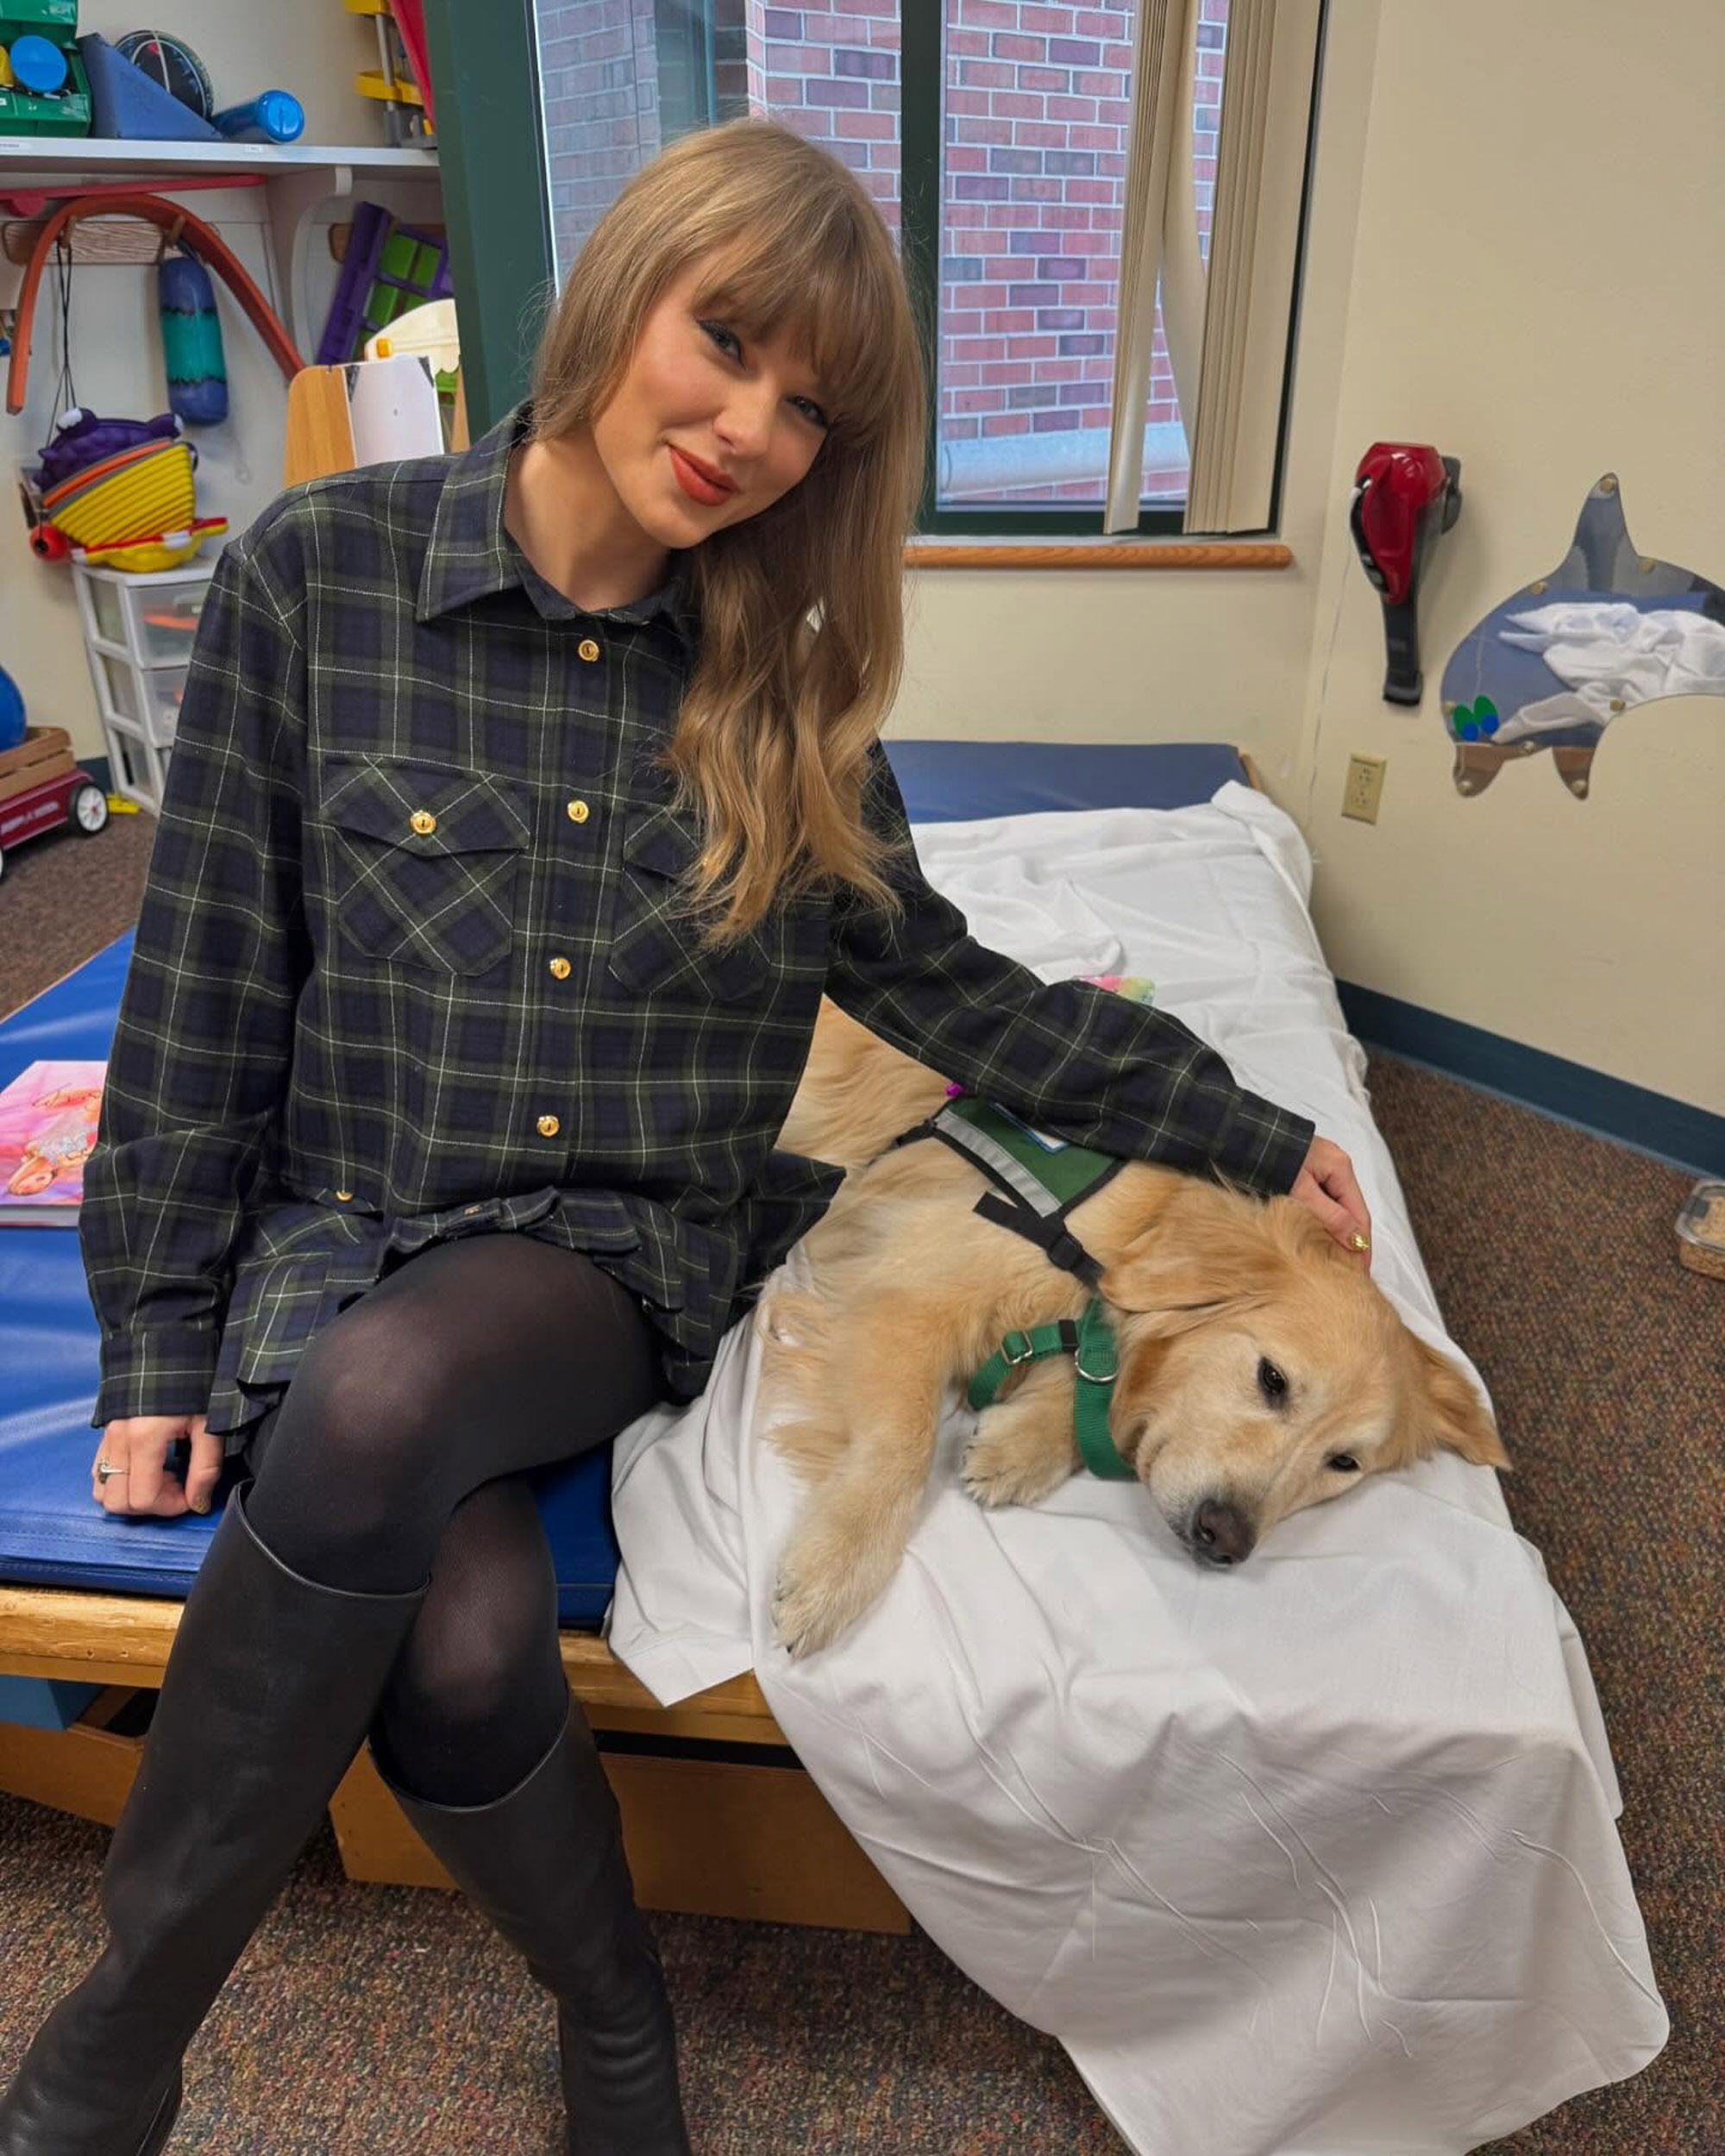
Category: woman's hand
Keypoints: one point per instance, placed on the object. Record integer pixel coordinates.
(139, 1444)
(1326, 1187)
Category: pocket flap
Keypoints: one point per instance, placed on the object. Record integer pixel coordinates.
(657, 841)
(424, 808)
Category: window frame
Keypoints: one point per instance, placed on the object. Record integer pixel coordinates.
(497, 188)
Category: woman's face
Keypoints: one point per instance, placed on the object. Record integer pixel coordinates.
(707, 428)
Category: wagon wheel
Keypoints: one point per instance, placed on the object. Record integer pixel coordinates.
(89, 809)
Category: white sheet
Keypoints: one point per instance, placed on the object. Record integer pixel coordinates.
(1313, 1856)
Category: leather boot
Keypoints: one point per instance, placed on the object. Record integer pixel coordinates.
(270, 1687)
(545, 1864)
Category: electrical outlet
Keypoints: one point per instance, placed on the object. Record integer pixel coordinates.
(1364, 787)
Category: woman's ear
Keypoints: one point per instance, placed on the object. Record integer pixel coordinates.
(1206, 1249)
(1449, 1412)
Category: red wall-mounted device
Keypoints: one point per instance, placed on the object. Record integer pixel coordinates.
(1404, 494)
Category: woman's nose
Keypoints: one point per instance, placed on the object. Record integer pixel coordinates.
(745, 424)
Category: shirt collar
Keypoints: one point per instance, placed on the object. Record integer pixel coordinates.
(471, 555)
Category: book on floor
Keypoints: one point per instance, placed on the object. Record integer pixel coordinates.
(48, 1129)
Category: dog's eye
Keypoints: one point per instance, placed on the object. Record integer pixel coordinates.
(1270, 1381)
(1343, 1462)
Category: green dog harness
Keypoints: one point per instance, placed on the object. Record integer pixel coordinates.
(1039, 1180)
(1091, 1342)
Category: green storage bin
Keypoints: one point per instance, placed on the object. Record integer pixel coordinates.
(20, 112)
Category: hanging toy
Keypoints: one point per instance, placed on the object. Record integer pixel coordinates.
(191, 340)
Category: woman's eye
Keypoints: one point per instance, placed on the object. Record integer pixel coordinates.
(814, 413)
(1270, 1381)
(1343, 1462)
(726, 340)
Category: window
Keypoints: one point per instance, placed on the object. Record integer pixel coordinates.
(997, 137)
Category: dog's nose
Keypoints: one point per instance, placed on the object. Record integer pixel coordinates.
(1221, 1535)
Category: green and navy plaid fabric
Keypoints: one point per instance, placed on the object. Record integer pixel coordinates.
(412, 964)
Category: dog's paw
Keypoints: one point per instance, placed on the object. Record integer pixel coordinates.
(818, 1596)
(805, 1617)
(1010, 1460)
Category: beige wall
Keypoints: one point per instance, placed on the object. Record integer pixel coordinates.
(1513, 216)
(1542, 194)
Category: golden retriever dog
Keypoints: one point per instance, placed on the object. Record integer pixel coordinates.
(1260, 1369)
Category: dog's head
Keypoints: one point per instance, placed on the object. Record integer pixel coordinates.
(1262, 1371)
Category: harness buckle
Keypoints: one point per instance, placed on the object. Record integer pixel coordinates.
(1026, 1352)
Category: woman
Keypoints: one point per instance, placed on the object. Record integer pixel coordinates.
(524, 804)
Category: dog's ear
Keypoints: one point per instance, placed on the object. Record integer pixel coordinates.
(1449, 1411)
(1207, 1250)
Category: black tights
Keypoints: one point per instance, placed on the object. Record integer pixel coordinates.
(401, 1448)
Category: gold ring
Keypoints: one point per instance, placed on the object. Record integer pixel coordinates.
(1357, 1242)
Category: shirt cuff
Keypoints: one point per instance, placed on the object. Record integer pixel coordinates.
(1262, 1147)
(156, 1371)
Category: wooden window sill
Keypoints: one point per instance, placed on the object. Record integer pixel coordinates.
(1097, 554)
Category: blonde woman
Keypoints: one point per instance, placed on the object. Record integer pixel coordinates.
(524, 804)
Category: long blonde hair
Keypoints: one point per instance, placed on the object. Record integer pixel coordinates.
(801, 607)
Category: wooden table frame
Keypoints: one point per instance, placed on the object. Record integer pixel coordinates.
(708, 1832)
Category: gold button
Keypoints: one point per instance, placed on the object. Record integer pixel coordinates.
(560, 969)
(549, 1126)
(588, 649)
(423, 822)
(578, 811)
(473, 1208)
(342, 1196)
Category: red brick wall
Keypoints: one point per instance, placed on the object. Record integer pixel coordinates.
(599, 81)
(829, 69)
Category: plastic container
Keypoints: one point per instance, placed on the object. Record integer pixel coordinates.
(165, 614)
(1701, 1230)
(164, 686)
(46, 30)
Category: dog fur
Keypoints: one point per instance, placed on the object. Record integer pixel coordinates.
(1253, 1351)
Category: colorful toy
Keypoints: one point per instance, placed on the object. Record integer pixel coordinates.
(189, 231)
(118, 492)
(171, 64)
(43, 87)
(273, 115)
(191, 341)
(129, 105)
(400, 82)
(43, 786)
(389, 268)
(38, 66)
(148, 489)
(11, 713)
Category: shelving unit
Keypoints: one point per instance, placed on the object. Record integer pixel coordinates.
(137, 634)
(300, 178)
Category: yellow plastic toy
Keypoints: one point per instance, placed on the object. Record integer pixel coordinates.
(140, 491)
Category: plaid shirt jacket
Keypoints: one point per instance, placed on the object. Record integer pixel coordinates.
(411, 965)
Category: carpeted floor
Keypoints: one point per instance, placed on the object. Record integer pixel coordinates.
(370, 2018)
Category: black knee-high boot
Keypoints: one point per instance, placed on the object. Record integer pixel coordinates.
(545, 1864)
(271, 1685)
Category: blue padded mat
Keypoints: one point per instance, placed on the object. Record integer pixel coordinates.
(52, 1533)
(952, 782)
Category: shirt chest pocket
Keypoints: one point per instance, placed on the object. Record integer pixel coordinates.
(656, 947)
(424, 859)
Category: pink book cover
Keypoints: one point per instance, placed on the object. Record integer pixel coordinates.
(48, 1128)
